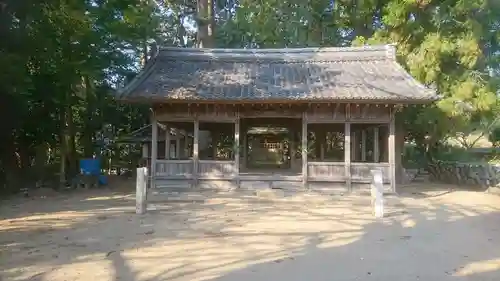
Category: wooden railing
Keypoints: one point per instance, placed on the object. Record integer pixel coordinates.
(174, 168)
(214, 169)
(326, 171)
(316, 171)
(361, 171)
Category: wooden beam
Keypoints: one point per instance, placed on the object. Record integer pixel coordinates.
(195, 152)
(392, 152)
(154, 149)
(347, 155)
(304, 149)
(376, 146)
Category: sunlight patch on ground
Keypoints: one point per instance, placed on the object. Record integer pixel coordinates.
(93, 270)
(43, 222)
(114, 197)
(479, 267)
(409, 223)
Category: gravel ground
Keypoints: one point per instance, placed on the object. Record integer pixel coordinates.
(432, 234)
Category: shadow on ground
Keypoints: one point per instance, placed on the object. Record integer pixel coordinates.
(454, 236)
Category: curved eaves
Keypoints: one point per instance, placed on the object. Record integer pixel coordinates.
(126, 92)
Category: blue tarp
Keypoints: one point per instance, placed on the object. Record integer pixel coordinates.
(92, 167)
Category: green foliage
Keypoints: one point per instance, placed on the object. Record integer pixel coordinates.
(494, 137)
(62, 58)
(61, 61)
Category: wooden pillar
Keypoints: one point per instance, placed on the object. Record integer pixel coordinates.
(320, 143)
(154, 150)
(392, 152)
(237, 150)
(186, 145)
(245, 147)
(304, 149)
(215, 140)
(167, 142)
(363, 145)
(347, 155)
(145, 152)
(293, 149)
(376, 146)
(178, 146)
(322, 146)
(354, 145)
(195, 152)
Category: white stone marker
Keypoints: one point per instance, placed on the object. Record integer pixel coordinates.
(141, 191)
(377, 193)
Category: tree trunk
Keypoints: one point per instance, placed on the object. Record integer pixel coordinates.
(144, 52)
(11, 167)
(63, 151)
(206, 24)
(41, 160)
(88, 147)
(72, 154)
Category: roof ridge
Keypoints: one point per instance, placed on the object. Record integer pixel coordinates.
(369, 52)
(279, 50)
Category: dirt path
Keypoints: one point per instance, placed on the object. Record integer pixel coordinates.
(96, 236)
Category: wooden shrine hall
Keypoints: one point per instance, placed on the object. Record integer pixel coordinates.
(279, 118)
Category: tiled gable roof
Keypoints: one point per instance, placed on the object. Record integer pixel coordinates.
(368, 73)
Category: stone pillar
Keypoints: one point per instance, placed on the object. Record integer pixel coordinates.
(141, 191)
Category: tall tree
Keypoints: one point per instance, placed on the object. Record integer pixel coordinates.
(205, 21)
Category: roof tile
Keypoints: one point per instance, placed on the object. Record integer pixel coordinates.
(363, 73)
